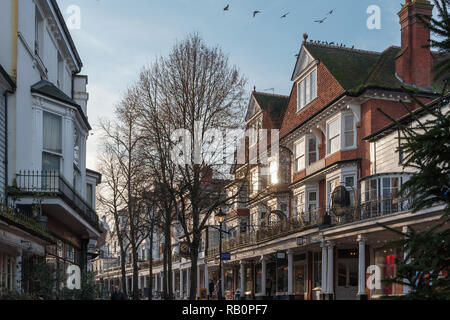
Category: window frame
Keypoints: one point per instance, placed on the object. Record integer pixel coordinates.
(343, 131)
(333, 120)
(52, 153)
(297, 157)
(309, 81)
(308, 152)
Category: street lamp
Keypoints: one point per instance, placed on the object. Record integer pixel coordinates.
(220, 217)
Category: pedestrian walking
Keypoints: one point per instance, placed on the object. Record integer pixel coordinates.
(117, 294)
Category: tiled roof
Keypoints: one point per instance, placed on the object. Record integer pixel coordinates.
(356, 70)
(275, 105)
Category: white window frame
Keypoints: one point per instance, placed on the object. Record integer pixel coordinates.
(274, 171)
(308, 139)
(315, 202)
(302, 156)
(304, 98)
(336, 119)
(340, 119)
(49, 152)
(343, 116)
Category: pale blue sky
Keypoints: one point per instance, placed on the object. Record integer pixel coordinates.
(118, 37)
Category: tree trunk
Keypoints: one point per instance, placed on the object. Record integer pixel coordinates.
(168, 243)
(150, 267)
(124, 272)
(165, 271)
(135, 274)
(193, 286)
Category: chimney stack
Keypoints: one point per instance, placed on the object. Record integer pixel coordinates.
(414, 63)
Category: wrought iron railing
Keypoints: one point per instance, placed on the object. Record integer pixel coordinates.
(44, 183)
(24, 220)
(271, 231)
(336, 216)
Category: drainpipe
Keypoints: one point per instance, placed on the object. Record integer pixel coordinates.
(14, 58)
(5, 96)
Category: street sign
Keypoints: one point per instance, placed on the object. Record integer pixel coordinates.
(226, 256)
(281, 255)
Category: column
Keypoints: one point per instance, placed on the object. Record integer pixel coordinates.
(188, 282)
(181, 284)
(406, 288)
(162, 281)
(290, 272)
(145, 286)
(174, 287)
(19, 271)
(330, 281)
(198, 281)
(206, 278)
(263, 275)
(242, 278)
(362, 267)
(323, 245)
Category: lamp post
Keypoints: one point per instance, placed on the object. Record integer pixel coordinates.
(220, 217)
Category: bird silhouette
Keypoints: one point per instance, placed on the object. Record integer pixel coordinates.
(331, 12)
(321, 21)
(284, 15)
(255, 13)
(226, 8)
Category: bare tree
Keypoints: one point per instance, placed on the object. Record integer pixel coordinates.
(123, 139)
(156, 150)
(110, 199)
(196, 90)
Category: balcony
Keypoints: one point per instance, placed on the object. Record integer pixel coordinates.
(51, 184)
(271, 231)
(25, 222)
(370, 209)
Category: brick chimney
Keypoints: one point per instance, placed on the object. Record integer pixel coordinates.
(414, 63)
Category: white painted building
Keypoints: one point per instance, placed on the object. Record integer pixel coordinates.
(47, 129)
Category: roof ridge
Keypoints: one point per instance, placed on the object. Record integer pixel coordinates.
(343, 48)
(271, 94)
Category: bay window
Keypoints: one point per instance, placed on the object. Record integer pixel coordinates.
(341, 133)
(52, 143)
(307, 90)
(381, 194)
(300, 155)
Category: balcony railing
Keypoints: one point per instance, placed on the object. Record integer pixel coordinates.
(25, 221)
(371, 209)
(41, 184)
(271, 231)
(367, 210)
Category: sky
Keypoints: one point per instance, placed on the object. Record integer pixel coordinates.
(117, 38)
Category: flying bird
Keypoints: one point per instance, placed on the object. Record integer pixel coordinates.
(331, 12)
(321, 21)
(255, 13)
(226, 8)
(284, 15)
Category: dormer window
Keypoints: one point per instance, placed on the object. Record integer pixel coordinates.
(307, 90)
